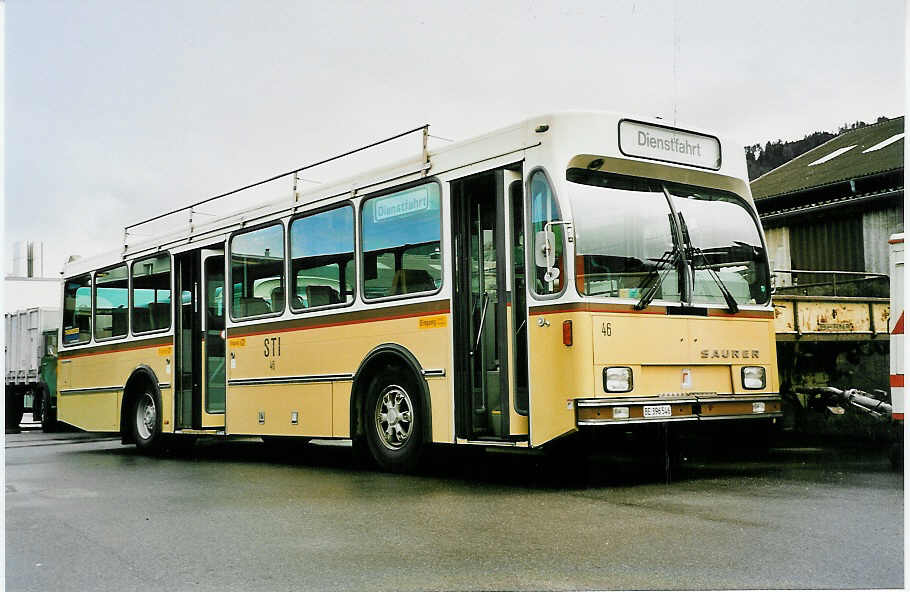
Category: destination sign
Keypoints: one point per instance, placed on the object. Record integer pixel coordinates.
(401, 204)
(668, 144)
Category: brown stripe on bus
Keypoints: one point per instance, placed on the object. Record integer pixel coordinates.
(589, 307)
(121, 346)
(348, 318)
(630, 309)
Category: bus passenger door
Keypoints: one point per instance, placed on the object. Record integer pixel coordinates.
(199, 339)
(480, 307)
(213, 349)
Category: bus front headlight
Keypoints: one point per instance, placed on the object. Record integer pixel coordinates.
(618, 379)
(753, 377)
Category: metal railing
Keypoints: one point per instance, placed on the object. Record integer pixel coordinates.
(853, 278)
(191, 211)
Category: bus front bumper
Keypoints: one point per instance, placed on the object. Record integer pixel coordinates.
(662, 409)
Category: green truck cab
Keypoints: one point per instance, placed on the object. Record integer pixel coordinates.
(44, 406)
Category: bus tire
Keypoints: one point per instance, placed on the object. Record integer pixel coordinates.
(48, 414)
(145, 420)
(392, 421)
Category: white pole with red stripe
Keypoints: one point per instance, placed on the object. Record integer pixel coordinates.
(896, 324)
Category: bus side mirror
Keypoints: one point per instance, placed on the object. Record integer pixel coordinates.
(544, 251)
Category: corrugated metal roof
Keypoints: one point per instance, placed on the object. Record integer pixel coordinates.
(797, 175)
(845, 200)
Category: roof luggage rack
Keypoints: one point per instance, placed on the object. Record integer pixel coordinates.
(190, 209)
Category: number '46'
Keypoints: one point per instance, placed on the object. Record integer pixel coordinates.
(607, 329)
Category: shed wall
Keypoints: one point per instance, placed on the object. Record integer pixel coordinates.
(878, 226)
(831, 243)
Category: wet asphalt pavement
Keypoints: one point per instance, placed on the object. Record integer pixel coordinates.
(85, 513)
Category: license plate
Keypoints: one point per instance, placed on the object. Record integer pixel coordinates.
(657, 411)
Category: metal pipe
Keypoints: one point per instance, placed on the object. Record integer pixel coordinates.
(276, 177)
(863, 273)
(853, 397)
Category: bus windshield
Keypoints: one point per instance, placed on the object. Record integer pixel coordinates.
(625, 228)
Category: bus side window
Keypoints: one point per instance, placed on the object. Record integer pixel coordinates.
(111, 303)
(77, 310)
(257, 272)
(544, 209)
(151, 298)
(322, 252)
(401, 242)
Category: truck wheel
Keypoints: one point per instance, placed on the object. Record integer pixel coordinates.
(48, 415)
(15, 399)
(392, 421)
(36, 406)
(147, 421)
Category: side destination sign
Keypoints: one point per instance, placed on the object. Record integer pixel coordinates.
(668, 144)
(401, 204)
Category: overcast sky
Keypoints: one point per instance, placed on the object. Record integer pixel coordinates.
(122, 109)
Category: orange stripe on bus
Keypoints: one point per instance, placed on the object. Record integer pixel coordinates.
(899, 416)
(897, 380)
(899, 326)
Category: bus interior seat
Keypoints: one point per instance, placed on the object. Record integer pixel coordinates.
(84, 322)
(141, 319)
(119, 321)
(277, 299)
(318, 295)
(159, 314)
(251, 306)
(412, 280)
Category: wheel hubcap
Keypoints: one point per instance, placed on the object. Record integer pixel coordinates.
(146, 416)
(394, 417)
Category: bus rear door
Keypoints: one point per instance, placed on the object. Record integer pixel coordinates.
(200, 375)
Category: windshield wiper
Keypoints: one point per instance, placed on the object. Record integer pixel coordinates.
(666, 262)
(732, 307)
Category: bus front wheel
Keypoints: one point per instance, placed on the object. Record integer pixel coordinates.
(392, 421)
(147, 421)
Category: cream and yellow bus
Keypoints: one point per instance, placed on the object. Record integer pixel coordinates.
(573, 272)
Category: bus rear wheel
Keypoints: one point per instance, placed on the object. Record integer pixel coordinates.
(147, 421)
(392, 421)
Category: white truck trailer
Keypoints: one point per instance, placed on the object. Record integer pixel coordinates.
(26, 345)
